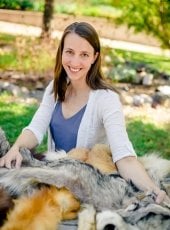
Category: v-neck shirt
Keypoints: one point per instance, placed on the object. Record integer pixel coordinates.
(64, 130)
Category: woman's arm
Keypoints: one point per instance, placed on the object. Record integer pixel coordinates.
(132, 170)
(41, 119)
(34, 132)
(26, 139)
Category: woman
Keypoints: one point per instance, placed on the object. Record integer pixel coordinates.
(79, 109)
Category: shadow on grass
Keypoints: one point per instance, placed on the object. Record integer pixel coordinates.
(147, 138)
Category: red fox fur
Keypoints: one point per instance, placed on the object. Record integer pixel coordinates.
(43, 210)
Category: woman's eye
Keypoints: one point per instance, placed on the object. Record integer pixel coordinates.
(69, 52)
(85, 55)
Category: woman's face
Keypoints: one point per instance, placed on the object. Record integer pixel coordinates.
(77, 57)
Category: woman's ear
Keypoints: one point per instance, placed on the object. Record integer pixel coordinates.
(95, 56)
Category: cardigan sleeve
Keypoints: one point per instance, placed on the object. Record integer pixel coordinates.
(114, 124)
(41, 119)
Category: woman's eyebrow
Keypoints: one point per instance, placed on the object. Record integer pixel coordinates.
(84, 51)
(68, 48)
(81, 51)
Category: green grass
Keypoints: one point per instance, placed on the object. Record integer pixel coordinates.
(145, 136)
(148, 137)
(15, 116)
(6, 38)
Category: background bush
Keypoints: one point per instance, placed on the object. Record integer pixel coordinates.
(16, 4)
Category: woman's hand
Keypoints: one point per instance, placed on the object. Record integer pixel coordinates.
(11, 159)
(161, 197)
(131, 169)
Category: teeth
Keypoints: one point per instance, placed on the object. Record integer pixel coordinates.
(74, 69)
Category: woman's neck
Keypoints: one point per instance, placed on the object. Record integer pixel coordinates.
(78, 89)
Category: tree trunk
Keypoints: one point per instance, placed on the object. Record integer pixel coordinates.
(47, 18)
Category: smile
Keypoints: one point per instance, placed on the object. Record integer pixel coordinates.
(75, 70)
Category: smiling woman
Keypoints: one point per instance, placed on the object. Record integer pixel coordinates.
(79, 58)
(79, 93)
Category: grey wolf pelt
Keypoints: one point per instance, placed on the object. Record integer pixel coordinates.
(43, 210)
(84, 181)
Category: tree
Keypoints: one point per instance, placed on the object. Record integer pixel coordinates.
(151, 16)
(47, 18)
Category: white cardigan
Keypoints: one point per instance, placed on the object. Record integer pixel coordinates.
(102, 122)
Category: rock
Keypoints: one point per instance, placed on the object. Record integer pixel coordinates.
(147, 79)
(141, 99)
(165, 90)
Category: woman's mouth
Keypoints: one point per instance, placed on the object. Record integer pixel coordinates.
(75, 70)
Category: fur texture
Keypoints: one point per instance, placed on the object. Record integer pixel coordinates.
(103, 191)
(87, 218)
(6, 203)
(43, 210)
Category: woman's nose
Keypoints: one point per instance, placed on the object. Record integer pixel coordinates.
(75, 60)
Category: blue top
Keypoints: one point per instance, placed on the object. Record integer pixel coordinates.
(64, 131)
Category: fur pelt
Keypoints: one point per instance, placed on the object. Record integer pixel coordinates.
(43, 210)
(101, 190)
(89, 185)
(6, 203)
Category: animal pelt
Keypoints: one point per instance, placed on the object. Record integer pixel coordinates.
(43, 210)
(6, 203)
(87, 217)
(102, 190)
(89, 185)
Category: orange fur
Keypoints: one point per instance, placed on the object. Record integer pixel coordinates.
(6, 203)
(43, 210)
(80, 154)
(99, 157)
(48, 206)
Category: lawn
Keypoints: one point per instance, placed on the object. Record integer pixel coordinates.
(14, 116)
(148, 137)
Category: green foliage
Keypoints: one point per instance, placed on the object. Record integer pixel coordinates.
(96, 8)
(151, 16)
(26, 54)
(7, 60)
(16, 4)
(98, 2)
(65, 8)
(122, 65)
(38, 5)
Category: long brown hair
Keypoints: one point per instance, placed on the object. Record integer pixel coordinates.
(94, 78)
